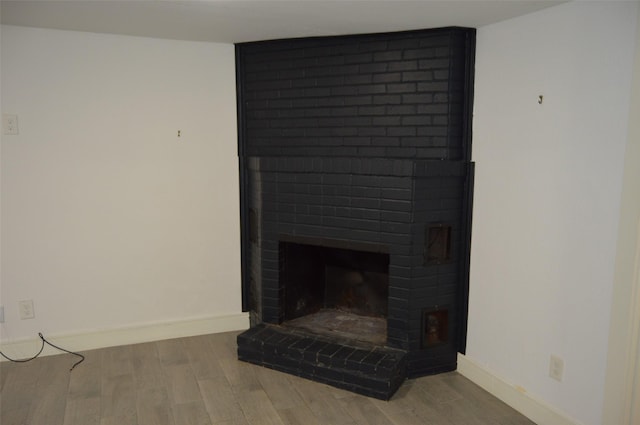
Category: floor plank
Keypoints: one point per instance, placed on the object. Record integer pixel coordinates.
(118, 397)
(86, 379)
(147, 367)
(5, 368)
(241, 375)
(116, 361)
(202, 357)
(319, 399)
(82, 411)
(153, 407)
(437, 389)
(299, 415)
(257, 408)
(182, 384)
(172, 352)
(193, 413)
(17, 393)
(52, 388)
(279, 388)
(363, 411)
(219, 400)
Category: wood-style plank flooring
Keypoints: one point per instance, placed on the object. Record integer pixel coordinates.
(199, 381)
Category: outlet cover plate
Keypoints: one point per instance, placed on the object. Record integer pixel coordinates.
(26, 309)
(556, 368)
(10, 124)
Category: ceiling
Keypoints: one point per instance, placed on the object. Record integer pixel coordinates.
(235, 21)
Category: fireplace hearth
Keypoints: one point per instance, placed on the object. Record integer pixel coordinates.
(356, 188)
(343, 325)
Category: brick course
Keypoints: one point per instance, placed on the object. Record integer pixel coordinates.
(324, 92)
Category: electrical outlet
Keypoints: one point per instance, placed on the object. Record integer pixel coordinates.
(10, 124)
(26, 309)
(1, 314)
(556, 368)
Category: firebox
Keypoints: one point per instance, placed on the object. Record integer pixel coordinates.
(356, 190)
(335, 291)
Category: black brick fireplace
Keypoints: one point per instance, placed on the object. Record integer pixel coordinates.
(356, 184)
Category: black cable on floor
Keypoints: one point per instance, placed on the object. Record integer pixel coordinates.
(40, 352)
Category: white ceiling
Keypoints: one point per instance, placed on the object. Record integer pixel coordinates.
(234, 21)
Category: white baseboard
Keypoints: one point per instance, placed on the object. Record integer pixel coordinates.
(129, 335)
(537, 410)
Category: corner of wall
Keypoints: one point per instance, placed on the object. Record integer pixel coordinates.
(622, 357)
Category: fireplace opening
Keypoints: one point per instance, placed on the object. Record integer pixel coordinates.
(334, 291)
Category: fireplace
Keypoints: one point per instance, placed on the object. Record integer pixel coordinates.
(356, 188)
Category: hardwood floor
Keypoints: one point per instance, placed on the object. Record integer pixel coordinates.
(198, 381)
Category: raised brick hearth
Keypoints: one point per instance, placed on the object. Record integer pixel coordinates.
(356, 184)
(372, 371)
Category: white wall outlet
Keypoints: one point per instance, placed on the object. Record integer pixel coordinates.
(556, 368)
(26, 309)
(10, 124)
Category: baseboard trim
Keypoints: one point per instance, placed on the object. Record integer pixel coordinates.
(537, 410)
(128, 335)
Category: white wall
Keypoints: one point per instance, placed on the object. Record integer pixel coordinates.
(624, 329)
(547, 197)
(110, 220)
